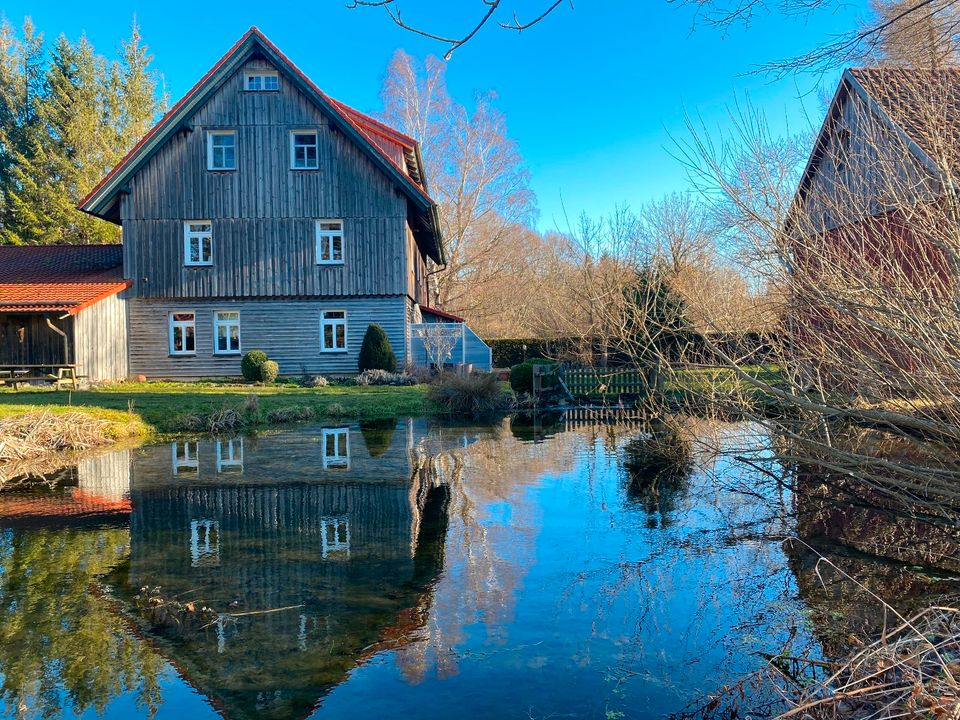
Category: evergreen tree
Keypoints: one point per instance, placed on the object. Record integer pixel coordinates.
(65, 120)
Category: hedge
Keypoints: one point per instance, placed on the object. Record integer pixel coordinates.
(508, 352)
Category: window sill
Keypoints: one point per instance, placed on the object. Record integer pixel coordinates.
(182, 355)
(335, 352)
(231, 354)
(198, 265)
(334, 263)
(304, 169)
(221, 170)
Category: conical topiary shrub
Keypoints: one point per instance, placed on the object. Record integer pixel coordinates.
(376, 353)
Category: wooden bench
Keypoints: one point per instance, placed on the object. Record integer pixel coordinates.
(58, 375)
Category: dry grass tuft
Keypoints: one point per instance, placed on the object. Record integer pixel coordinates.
(910, 671)
(37, 433)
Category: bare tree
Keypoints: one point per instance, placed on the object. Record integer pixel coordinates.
(476, 174)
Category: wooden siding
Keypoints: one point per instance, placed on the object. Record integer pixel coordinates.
(100, 340)
(878, 172)
(287, 330)
(263, 212)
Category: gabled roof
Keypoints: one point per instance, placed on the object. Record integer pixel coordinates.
(894, 96)
(367, 133)
(58, 278)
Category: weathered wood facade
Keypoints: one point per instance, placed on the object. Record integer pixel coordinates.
(263, 256)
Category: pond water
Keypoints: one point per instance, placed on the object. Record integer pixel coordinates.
(413, 569)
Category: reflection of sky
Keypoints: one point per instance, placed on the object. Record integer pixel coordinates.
(558, 596)
(612, 614)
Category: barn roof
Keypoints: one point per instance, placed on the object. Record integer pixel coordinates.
(369, 134)
(58, 278)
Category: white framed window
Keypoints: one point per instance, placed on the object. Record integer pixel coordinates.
(185, 457)
(336, 447)
(329, 242)
(221, 150)
(226, 332)
(198, 242)
(334, 537)
(303, 150)
(183, 333)
(261, 81)
(333, 331)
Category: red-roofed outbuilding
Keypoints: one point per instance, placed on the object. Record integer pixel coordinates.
(60, 305)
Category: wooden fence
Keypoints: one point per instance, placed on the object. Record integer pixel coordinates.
(602, 384)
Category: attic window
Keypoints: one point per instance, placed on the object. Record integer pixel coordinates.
(261, 81)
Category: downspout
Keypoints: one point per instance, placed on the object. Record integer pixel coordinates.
(61, 333)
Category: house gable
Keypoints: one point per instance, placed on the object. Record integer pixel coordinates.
(862, 164)
(383, 147)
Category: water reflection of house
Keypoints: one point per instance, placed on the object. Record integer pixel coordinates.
(872, 551)
(96, 489)
(340, 543)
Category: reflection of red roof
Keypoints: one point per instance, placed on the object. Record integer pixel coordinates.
(15, 506)
(58, 278)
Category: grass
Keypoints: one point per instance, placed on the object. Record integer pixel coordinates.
(162, 406)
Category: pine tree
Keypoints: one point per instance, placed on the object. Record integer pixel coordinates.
(65, 121)
(21, 90)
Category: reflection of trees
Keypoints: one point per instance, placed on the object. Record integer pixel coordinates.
(486, 551)
(658, 464)
(55, 633)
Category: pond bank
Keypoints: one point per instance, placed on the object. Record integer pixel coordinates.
(167, 407)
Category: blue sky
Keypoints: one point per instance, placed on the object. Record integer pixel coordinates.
(593, 95)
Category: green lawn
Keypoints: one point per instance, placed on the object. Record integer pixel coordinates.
(163, 405)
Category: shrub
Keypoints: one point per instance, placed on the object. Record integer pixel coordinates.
(521, 376)
(314, 381)
(335, 410)
(251, 363)
(269, 372)
(375, 352)
(473, 395)
(382, 377)
(508, 352)
(295, 413)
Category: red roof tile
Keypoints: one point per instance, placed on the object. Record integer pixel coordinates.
(58, 278)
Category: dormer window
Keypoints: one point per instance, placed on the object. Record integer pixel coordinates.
(261, 81)
(221, 150)
(303, 150)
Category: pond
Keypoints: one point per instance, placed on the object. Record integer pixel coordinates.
(415, 568)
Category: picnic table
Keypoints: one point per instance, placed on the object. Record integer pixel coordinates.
(57, 374)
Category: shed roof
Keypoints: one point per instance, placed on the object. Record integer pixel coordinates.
(58, 278)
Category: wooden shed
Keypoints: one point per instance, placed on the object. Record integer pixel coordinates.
(60, 305)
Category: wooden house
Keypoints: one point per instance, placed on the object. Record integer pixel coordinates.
(260, 213)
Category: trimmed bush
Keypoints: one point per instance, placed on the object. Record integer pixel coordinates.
(508, 352)
(470, 395)
(250, 364)
(382, 377)
(269, 372)
(375, 352)
(521, 376)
